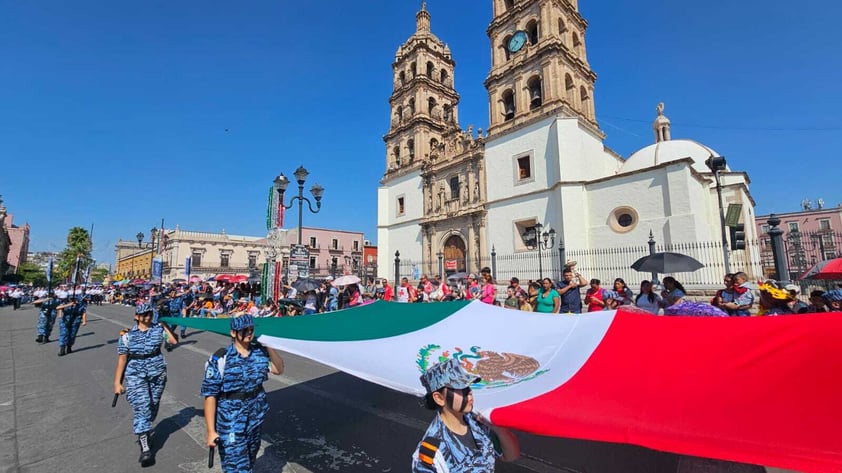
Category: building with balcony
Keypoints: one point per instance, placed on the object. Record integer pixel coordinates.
(811, 234)
(332, 252)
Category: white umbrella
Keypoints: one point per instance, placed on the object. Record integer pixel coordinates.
(346, 280)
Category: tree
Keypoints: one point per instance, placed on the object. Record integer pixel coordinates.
(98, 274)
(78, 246)
(31, 273)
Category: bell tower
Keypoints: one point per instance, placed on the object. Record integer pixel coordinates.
(539, 64)
(424, 104)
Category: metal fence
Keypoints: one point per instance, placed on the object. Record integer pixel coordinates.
(607, 264)
(803, 250)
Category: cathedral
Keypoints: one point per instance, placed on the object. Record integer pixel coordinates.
(452, 195)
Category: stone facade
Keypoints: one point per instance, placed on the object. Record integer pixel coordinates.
(432, 198)
(5, 241)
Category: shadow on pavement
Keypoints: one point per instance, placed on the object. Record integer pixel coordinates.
(91, 347)
(170, 425)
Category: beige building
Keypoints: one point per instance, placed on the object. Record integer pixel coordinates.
(210, 254)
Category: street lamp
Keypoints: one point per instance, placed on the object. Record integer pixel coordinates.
(717, 164)
(151, 244)
(541, 241)
(281, 184)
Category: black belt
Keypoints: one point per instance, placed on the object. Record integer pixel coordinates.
(146, 356)
(241, 395)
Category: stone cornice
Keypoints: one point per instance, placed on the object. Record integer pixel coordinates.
(414, 121)
(414, 43)
(422, 80)
(547, 110)
(545, 48)
(503, 20)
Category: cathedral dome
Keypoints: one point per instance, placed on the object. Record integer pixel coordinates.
(667, 151)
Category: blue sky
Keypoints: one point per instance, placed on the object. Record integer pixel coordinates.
(115, 113)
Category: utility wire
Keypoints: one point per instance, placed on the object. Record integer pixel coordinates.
(720, 127)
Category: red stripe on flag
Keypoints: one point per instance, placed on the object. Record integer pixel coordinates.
(754, 390)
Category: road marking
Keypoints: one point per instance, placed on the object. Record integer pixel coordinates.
(528, 462)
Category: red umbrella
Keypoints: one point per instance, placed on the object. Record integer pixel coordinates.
(828, 269)
(137, 281)
(238, 278)
(223, 277)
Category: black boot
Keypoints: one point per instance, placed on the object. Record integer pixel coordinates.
(69, 349)
(39, 339)
(146, 456)
(46, 339)
(62, 350)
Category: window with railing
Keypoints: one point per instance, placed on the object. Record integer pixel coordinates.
(793, 226)
(196, 260)
(312, 262)
(824, 224)
(224, 260)
(312, 242)
(252, 261)
(334, 244)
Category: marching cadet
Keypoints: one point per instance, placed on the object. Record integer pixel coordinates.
(142, 374)
(458, 440)
(175, 308)
(46, 317)
(70, 316)
(235, 402)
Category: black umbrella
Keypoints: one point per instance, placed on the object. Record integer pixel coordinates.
(303, 285)
(667, 263)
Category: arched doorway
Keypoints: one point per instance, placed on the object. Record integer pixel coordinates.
(454, 255)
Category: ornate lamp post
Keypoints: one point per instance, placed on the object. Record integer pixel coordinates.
(541, 241)
(281, 184)
(717, 164)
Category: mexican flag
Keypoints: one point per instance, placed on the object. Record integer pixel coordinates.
(761, 390)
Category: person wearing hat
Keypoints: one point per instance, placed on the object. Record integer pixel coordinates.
(235, 402)
(458, 440)
(773, 299)
(46, 317)
(70, 316)
(142, 374)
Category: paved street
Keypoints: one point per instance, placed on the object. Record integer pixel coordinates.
(56, 415)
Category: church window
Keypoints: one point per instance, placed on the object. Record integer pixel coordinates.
(562, 28)
(402, 77)
(535, 92)
(448, 113)
(430, 70)
(454, 187)
(523, 168)
(396, 151)
(570, 89)
(505, 47)
(431, 105)
(623, 219)
(411, 107)
(508, 105)
(411, 146)
(577, 45)
(401, 208)
(509, 4)
(412, 70)
(583, 94)
(532, 32)
(444, 77)
(400, 113)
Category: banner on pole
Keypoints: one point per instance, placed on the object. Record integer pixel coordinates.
(157, 270)
(187, 266)
(50, 271)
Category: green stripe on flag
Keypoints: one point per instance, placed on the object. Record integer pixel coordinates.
(371, 321)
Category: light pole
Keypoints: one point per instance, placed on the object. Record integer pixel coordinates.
(281, 184)
(153, 233)
(541, 241)
(717, 164)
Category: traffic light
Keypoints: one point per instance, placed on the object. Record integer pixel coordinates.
(738, 236)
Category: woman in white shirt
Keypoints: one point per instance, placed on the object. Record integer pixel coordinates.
(647, 299)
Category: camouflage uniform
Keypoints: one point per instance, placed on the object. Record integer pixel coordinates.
(443, 451)
(146, 373)
(237, 384)
(69, 324)
(47, 319)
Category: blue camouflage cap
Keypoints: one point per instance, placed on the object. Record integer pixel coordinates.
(142, 309)
(447, 374)
(241, 322)
(834, 295)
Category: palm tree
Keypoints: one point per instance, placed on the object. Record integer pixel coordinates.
(79, 246)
